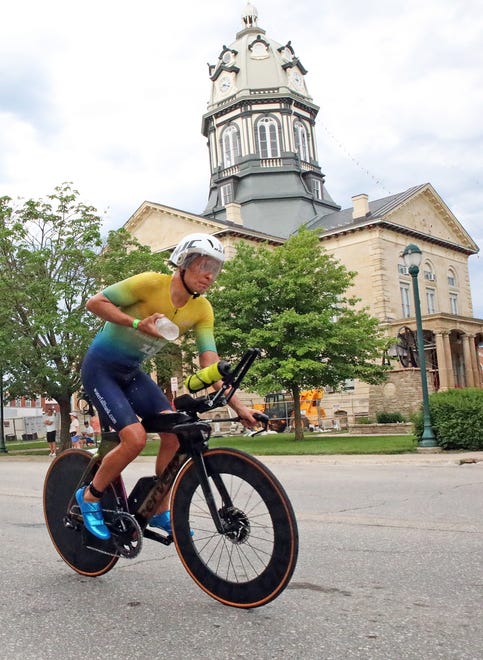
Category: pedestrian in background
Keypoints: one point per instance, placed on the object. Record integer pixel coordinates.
(49, 423)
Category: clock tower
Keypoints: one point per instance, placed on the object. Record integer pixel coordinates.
(260, 125)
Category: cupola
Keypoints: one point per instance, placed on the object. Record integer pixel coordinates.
(260, 126)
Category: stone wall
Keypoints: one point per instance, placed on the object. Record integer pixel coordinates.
(381, 429)
(401, 393)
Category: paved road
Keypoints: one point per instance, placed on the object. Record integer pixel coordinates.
(390, 567)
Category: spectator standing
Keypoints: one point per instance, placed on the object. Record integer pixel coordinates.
(49, 423)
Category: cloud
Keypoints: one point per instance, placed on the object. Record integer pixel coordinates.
(110, 95)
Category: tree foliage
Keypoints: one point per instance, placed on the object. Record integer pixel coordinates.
(123, 256)
(52, 259)
(292, 303)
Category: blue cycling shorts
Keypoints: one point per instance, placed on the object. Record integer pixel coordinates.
(121, 394)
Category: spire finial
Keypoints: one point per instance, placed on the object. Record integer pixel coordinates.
(250, 16)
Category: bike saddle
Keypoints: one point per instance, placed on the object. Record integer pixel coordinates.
(164, 422)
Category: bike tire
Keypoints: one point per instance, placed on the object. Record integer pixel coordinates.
(62, 478)
(249, 568)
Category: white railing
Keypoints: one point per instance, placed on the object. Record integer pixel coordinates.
(271, 162)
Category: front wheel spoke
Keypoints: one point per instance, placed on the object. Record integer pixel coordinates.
(263, 556)
(217, 541)
(243, 558)
(229, 555)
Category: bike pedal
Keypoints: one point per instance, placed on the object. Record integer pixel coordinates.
(71, 522)
(165, 539)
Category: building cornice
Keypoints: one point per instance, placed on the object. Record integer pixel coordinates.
(215, 227)
(439, 323)
(372, 223)
(147, 207)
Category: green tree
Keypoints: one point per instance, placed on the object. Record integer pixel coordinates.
(122, 256)
(291, 302)
(52, 259)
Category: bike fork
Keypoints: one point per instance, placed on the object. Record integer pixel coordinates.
(207, 492)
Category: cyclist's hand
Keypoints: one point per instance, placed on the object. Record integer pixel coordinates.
(148, 325)
(247, 418)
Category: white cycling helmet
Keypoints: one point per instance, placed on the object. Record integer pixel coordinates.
(197, 244)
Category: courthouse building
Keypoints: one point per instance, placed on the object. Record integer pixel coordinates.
(266, 182)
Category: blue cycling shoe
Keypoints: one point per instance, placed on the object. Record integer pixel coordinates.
(163, 521)
(92, 514)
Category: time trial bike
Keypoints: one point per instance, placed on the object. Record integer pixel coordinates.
(233, 525)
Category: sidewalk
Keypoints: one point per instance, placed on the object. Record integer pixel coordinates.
(440, 458)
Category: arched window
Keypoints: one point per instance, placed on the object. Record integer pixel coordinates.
(268, 141)
(301, 142)
(453, 294)
(428, 272)
(452, 281)
(231, 145)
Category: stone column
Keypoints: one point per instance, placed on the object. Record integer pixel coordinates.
(468, 342)
(441, 357)
(475, 362)
(448, 360)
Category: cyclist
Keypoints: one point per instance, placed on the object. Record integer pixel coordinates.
(111, 372)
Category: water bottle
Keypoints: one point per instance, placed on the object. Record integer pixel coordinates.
(166, 328)
(207, 376)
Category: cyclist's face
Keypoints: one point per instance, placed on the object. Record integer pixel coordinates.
(202, 272)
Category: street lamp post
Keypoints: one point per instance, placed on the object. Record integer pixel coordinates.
(412, 256)
(3, 447)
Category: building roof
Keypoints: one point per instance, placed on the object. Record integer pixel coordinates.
(382, 211)
(378, 208)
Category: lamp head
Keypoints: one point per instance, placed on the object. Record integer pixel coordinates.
(412, 256)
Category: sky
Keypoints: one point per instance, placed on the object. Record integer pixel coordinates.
(109, 95)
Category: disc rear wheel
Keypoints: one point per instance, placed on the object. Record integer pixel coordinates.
(77, 547)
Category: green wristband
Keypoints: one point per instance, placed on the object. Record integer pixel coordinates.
(135, 323)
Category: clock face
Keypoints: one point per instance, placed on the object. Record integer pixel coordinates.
(297, 80)
(224, 84)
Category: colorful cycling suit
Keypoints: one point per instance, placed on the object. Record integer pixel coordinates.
(111, 372)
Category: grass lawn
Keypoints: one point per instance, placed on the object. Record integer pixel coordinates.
(284, 444)
(273, 445)
(28, 447)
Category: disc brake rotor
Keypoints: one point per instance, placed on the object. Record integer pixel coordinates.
(237, 525)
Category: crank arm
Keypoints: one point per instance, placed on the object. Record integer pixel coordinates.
(160, 538)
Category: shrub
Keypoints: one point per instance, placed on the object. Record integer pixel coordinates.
(456, 418)
(363, 420)
(389, 418)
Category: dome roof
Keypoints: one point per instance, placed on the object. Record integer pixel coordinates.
(255, 64)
